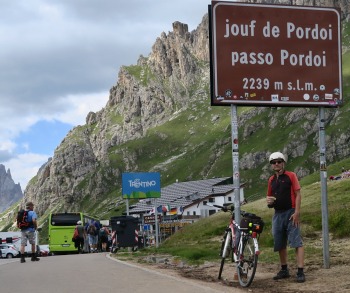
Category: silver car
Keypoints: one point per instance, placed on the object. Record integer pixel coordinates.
(8, 251)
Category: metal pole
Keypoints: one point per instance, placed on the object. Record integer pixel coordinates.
(324, 199)
(235, 163)
(127, 207)
(156, 222)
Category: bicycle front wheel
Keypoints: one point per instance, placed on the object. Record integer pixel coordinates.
(247, 261)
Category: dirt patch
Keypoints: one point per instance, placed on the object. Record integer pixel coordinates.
(318, 279)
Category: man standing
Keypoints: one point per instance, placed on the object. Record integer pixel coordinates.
(29, 232)
(283, 194)
(81, 237)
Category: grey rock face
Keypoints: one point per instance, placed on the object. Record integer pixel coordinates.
(10, 192)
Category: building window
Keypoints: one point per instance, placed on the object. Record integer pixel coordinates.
(212, 199)
(205, 202)
(212, 212)
(194, 213)
(188, 213)
(229, 199)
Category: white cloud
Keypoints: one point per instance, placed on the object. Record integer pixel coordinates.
(59, 59)
(81, 105)
(26, 167)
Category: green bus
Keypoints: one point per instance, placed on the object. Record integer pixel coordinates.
(61, 229)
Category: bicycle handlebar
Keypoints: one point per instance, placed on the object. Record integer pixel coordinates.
(231, 208)
(224, 208)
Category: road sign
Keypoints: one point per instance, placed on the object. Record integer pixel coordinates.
(151, 219)
(271, 55)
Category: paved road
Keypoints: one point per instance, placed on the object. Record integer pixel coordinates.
(89, 273)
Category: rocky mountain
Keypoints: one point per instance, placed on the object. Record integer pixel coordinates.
(10, 193)
(158, 118)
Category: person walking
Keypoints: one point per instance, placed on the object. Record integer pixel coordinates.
(81, 237)
(104, 232)
(28, 233)
(93, 236)
(283, 194)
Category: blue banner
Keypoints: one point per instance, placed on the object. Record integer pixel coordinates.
(141, 185)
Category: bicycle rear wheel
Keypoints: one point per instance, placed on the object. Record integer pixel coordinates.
(248, 261)
(226, 250)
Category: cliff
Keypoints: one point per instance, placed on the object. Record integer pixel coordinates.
(10, 193)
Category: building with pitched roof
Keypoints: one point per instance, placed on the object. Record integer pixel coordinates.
(189, 199)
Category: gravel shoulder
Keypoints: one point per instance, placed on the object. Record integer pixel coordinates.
(318, 278)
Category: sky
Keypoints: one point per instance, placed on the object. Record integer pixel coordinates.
(58, 60)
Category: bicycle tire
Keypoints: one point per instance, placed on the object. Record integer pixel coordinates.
(223, 254)
(247, 262)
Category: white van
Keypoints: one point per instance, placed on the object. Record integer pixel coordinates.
(15, 239)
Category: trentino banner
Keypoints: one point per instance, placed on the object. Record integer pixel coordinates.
(141, 185)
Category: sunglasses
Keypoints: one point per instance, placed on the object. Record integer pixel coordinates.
(276, 162)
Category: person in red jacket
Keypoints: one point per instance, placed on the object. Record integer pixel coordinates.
(283, 194)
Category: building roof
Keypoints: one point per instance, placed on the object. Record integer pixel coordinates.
(182, 194)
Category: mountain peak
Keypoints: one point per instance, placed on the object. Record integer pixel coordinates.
(9, 191)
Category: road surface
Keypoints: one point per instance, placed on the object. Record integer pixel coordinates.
(96, 272)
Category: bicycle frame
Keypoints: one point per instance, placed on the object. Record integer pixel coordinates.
(231, 239)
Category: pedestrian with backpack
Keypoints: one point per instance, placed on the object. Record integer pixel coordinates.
(93, 237)
(27, 222)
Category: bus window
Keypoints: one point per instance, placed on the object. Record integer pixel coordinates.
(65, 219)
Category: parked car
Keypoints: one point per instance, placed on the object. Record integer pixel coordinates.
(44, 250)
(9, 251)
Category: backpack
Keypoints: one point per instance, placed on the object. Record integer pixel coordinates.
(22, 220)
(92, 229)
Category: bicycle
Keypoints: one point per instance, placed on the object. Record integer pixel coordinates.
(240, 244)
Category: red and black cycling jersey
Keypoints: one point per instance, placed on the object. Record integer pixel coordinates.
(283, 187)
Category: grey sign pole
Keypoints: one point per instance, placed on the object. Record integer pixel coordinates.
(324, 198)
(235, 162)
(156, 222)
(127, 207)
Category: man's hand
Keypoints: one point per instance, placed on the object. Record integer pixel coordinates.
(296, 219)
(270, 200)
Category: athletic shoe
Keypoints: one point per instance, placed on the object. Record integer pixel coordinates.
(23, 260)
(282, 274)
(34, 258)
(300, 277)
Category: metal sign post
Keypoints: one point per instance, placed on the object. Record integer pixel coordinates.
(235, 163)
(324, 198)
(156, 222)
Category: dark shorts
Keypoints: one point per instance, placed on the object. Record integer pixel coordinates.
(104, 239)
(284, 231)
